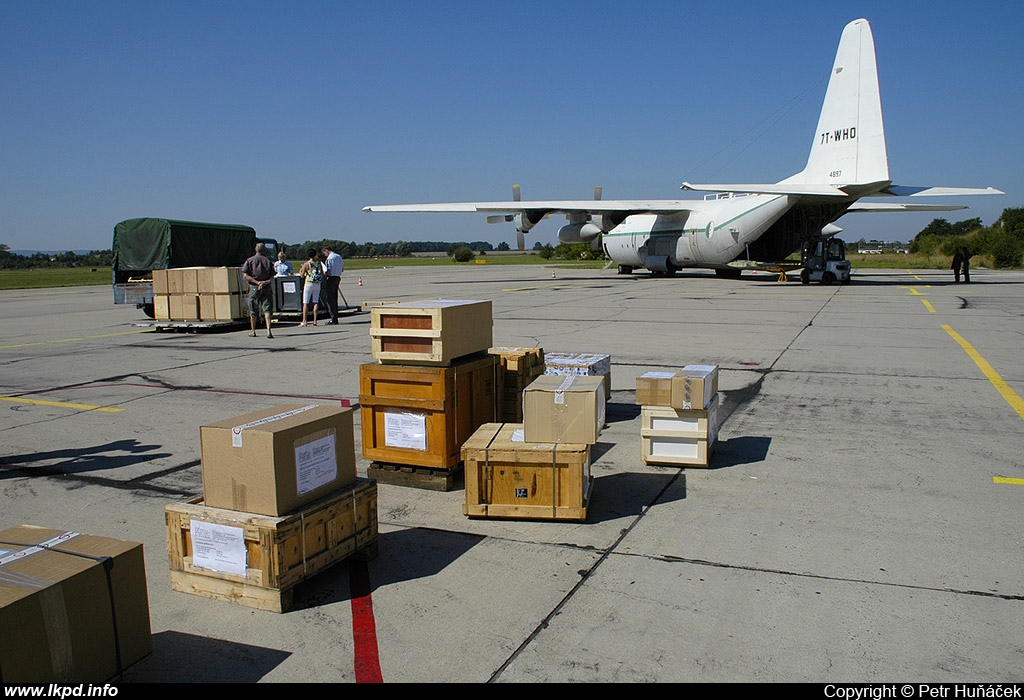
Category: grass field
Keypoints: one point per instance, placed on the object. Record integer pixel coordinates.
(82, 276)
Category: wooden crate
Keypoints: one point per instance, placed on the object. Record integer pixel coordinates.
(424, 478)
(673, 436)
(435, 332)
(517, 367)
(510, 479)
(272, 554)
(420, 416)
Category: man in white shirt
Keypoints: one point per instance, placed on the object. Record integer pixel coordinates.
(329, 291)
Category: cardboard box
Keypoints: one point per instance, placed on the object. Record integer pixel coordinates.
(257, 560)
(586, 364)
(694, 386)
(219, 280)
(433, 332)
(273, 461)
(160, 282)
(564, 409)
(419, 415)
(161, 307)
(507, 477)
(654, 388)
(73, 607)
(672, 436)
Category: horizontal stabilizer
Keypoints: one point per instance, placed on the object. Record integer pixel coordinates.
(906, 191)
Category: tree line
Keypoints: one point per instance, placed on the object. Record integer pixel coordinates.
(1003, 241)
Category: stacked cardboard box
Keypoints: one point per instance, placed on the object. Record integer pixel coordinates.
(73, 607)
(199, 294)
(517, 368)
(679, 415)
(432, 385)
(281, 501)
(586, 364)
(564, 409)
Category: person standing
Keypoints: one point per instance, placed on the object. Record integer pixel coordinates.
(312, 273)
(258, 271)
(958, 262)
(282, 267)
(329, 291)
(965, 267)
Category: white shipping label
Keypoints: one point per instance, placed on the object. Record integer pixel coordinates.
(218, 547)
(657, 375)
(316, 461)
(288, 287)
(406, 430)
(517, 435)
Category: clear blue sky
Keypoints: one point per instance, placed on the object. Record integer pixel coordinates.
(291, 116)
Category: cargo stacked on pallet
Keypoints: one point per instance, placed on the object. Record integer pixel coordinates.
(517, 368)
(199, 294)
(679, 415)
(538, 469)
(281, 503)
(432, 385)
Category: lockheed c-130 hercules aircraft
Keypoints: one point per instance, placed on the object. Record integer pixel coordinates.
(747, 226)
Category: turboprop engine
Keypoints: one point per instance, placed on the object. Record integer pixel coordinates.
(578, 233)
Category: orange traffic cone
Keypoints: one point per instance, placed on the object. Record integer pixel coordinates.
(360, 281)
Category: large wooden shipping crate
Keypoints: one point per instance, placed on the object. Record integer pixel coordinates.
(257, 560)
(517, 367)
(419, 415)
(672, 436)
(434, 332)
(507, 478)
(74, 608)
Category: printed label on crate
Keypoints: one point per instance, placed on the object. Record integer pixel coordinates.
(657, 375)
(288, 287)
(316, 461)
(517, 435)
(218, 547)
(236, 432)
(406, 430)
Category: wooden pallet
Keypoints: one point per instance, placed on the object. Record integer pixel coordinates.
(279, 552)
(426, 478)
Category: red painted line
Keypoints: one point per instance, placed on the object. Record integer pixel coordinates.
(364, 628)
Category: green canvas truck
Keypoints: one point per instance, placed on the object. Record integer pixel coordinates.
(143, 245)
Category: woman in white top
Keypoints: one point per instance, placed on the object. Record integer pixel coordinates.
(312, 273)
(282, 267)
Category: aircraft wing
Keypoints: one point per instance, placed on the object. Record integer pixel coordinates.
(565, 206)
(900, 206)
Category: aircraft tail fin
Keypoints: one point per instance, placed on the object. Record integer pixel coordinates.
(849, 145)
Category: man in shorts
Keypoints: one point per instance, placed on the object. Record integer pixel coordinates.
(258, 271)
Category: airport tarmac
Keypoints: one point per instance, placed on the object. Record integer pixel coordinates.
(860, 520)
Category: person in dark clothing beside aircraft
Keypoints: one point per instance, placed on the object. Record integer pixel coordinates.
(961, 265)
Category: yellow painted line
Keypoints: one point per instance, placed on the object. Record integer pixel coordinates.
(928, 306)
(1007, 480)
(915, 292)
(61, 404)
(68, 340)
(1016, 403)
